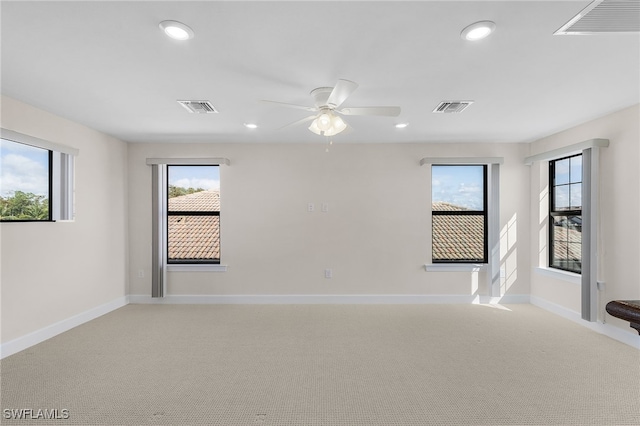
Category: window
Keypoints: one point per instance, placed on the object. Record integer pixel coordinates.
(25, 182)
(565, 213)
(459, 213)
(193, 214)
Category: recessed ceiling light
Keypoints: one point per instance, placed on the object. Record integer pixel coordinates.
(176, 30)
(401, 125)
(478, 30)
(250, 125)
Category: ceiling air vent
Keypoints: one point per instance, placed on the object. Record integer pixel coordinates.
(452, 107)
(198, 107)
(605, 16)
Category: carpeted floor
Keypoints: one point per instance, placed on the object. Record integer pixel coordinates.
(295, 365)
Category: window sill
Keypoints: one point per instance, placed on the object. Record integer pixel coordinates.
(455, 267)
(558, 274)
(196, 268)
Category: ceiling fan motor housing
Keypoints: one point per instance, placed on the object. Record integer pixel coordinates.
(321, 96)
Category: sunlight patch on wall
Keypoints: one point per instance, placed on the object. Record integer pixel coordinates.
(508, 254)
(510, 265)
(542, 244)
(544, 204)
(474, 282)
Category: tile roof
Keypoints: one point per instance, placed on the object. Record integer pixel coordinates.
(198, 201)
(461, 237)
(456, 237)
(567, 244)
(194, 237)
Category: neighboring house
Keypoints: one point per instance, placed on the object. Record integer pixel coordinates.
(194, 237)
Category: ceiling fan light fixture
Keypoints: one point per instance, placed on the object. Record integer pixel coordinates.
(176, 30)
(314, 127)
(478, 30)
(324, 121)
(338, 124)
(327, 124)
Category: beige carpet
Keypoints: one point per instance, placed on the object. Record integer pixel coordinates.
(326, 365)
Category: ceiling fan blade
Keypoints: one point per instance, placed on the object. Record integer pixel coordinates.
(341, 92)
(306, 108)
(347, 131)
(295, 123)
(389, 111)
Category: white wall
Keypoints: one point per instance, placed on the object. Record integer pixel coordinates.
(374, 236)
(619, 229)
(54, 271)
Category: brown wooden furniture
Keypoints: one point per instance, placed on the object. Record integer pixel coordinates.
(628, 310)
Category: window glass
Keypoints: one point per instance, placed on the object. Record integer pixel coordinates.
(459, 214)
(575, 196)
(25, 182)
(458, 238)
(561, 172)
(193, 214)
(565, 211)
(575, 169)
(459, 186)
(567, 243)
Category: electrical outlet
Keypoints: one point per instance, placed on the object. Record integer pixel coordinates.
(311, 207)
(328, 273)
(140, 273)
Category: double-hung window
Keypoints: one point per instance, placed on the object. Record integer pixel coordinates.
(459, 213)
(572, 218)
(185, 203)
(193, 214)
(565, 213)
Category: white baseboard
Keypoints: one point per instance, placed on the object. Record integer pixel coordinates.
(355, 299)
(21, 343)
(507, 299)
(629, 338)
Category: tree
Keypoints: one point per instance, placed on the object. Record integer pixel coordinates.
(178, 191)
(24, 206)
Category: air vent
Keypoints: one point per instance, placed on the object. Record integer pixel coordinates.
(198, 107)
(452, 107)
(605, 16)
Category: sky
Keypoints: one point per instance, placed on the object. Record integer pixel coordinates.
(23, 168)
(205, 177)
(568, 177)
(458, 185)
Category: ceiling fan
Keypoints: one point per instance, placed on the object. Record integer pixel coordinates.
(326, 120)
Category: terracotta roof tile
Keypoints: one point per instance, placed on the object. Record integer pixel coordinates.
(567, 244)
(458, 237)
(198, 201)
(194, 237)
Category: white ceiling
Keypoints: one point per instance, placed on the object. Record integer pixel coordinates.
(108, 66)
